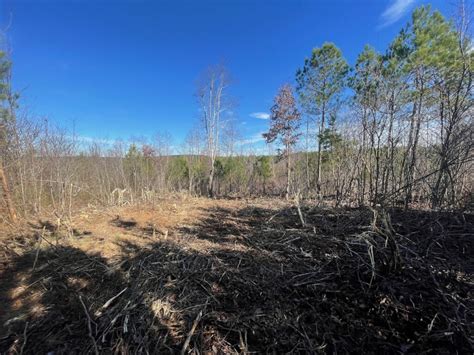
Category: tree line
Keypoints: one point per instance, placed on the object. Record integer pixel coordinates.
(397, 128)
(394, 129)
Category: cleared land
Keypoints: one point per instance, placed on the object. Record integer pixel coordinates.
(224, 276)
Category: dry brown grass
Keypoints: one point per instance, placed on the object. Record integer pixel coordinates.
(228, 276)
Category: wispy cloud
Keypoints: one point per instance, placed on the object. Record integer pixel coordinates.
(395, 11)
(255, 138)
(260, 115)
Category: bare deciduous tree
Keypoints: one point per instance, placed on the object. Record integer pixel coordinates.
(215, 104)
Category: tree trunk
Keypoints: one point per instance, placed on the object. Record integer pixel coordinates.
(288, 170)
(320, 158)
(210, 187)
(6, 195)
(307, 157)
(414, 136)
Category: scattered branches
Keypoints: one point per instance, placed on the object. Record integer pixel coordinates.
(249, 277)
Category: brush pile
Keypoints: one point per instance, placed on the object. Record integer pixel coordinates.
(251, 279)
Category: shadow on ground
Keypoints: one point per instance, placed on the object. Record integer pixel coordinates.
(250, 280)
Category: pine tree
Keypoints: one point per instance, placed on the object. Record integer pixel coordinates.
(320, 83)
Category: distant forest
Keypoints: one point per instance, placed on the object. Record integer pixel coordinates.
(394, 129)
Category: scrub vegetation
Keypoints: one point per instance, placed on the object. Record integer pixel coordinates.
(352, 233)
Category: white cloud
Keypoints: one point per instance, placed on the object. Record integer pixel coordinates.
(395, 12)
(256, 138)
(260, 115)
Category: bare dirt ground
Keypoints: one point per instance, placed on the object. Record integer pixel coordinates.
(238, 276)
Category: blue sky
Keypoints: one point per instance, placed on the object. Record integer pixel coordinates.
(125, 69)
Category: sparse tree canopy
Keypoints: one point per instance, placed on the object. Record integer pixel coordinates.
(321, 79)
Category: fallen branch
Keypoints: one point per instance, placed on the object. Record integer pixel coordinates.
(89, 325)
(298, 207)
(191, 332)
(109, 302)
